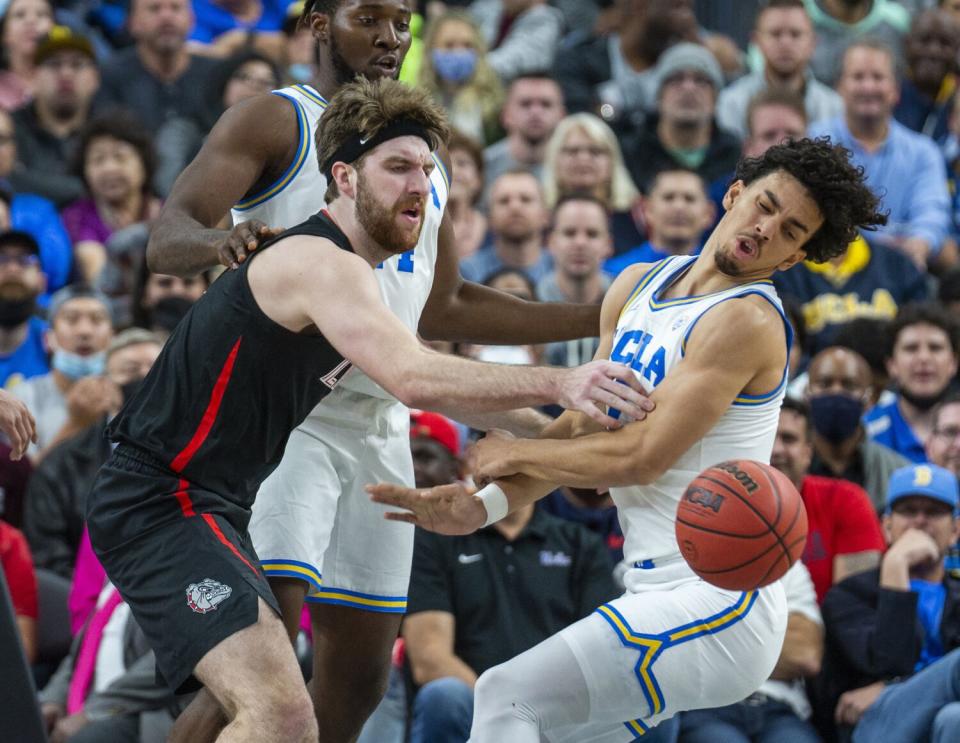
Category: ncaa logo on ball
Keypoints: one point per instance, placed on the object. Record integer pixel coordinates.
(207, 595)
(704, 498)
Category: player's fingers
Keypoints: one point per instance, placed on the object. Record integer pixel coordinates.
(594, 413)
(610, 393)
(407, 518)
(392, 495)
(630, 388)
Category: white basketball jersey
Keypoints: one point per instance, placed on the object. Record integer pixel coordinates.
(651, 337)
(405, 280)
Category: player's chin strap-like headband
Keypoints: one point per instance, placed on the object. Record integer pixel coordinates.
(356, 145)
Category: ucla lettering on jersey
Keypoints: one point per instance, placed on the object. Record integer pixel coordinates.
(406, 279)
(651, 338)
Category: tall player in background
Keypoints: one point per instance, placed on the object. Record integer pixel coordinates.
(708, 338)
(260, 159)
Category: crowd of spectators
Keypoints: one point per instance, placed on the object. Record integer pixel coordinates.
(589, 135)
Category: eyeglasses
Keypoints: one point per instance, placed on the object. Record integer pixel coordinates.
(67, 63)
(253, 81)
(950, 432)
(592, 150)
(24, 260)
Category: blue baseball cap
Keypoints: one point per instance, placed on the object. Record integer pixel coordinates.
(928, 480)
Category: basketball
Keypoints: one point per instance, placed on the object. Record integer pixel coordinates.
(741, 525)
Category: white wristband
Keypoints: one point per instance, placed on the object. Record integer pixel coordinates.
(495, 501)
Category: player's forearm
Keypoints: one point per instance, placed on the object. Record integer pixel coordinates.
(451, 385)
(607, 459)
(526, 423)
(802, 651)
(181, 246)
(479, 314)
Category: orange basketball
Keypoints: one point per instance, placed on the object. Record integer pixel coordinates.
(741, 525)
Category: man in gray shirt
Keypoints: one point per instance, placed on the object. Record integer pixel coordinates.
(784, 35)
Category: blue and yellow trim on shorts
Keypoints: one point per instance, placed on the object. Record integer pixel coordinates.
(357, 600)
(303, 146)
(293, 569)
(651, 646)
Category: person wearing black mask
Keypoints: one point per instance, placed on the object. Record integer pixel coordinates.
(161, 301)
(56, 495)
(922, 365)
(23, 353)
(838, 390)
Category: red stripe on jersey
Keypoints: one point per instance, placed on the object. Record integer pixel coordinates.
(211, 522)
(210, 414)
(183, 497)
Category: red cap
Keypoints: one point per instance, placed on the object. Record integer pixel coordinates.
(436, 427)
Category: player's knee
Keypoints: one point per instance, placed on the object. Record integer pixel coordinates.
(292, 717)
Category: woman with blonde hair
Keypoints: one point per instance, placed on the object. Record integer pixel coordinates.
(455, 71)
(583, 155)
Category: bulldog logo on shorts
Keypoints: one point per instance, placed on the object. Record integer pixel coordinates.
(207, 595)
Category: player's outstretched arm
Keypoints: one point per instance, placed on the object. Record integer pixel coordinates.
(337, 291)
(737, 346)
(465, 312)
(184, 240)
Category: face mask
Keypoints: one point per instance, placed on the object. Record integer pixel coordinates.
(454, 65)
(13, 314)
(835, 417)
(517, 355)
(924, 402)
(168, 311)
(74, 366)
(301, 72)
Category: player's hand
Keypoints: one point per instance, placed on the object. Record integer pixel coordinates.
(489, 458)
(17, 423)
(242, 240)
(91, 398)
(445, 509)
(608, 384)
(854, 703)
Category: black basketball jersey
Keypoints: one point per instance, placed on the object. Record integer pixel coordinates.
(231, 384)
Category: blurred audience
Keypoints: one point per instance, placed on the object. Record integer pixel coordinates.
(116, 161)
(47, 129)
(157, 78)
(23, 347)
(213, 18)
(455, 70)
(522, 35)
(23, 24)
(56, 498)
(612, 74)
(518, 217)
(943, 444)
(579, 241)
(73, 393)
(682, 133)
(922, 365)
(532, 109)
(928, 90)
(161, 301)
(469, 222)
(583, 155)
(17, 566)
(838, 392)
(784, 35)
(892, 632)
(837, 23)
(904, 167)
(676, 212)
(843, 533)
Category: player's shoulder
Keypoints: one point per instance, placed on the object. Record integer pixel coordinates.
(246, 122)
(627, 280)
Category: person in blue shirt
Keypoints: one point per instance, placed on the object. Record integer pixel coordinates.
(905, 168)
(922, 364)
(676, 210)
(23, 349)
(215, 17)
(893, 633)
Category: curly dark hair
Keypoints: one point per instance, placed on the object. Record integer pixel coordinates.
(835, 184)
(121, 124)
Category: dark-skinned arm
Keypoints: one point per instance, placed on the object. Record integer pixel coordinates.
(462, 311)
(234, 159)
